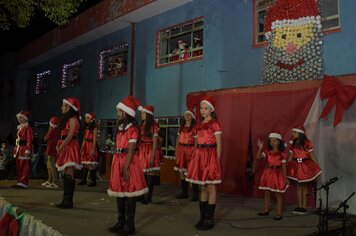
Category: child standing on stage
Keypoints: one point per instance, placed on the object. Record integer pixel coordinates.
(184, 150)
(23, 150)
(274, 178)
(204, 168)
(303, 166)
(68, 149)
(89, 152)
(127, 180)
(51, 138)
(148, 149)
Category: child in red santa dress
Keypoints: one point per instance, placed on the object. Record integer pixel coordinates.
(302, 167)
(204, 168)
(51, 138)
(23, 149)
(148, 149)
(68, 149)
(89, 151)
(184, 149)
(127, 180)
(274, 178)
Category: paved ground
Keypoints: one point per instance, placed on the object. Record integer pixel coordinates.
(94, 211)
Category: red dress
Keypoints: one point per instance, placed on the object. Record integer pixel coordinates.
(185, 148)
(70, 154)
(52, 137)
(302, 168)
(86, 157)
(145, 150)
(136, 186)
(273, 178)
(204, 168)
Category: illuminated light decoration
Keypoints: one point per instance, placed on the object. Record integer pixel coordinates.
(71, 74)
(113, 62)
(42, 82)
(294, 42)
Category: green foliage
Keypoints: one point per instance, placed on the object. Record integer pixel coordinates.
(20, 12)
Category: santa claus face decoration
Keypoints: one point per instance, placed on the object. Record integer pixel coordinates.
(293, 33)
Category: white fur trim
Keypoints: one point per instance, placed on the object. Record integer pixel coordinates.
(28, 152)
(217, 132)
(208, 103)
(132, 140)
(191, 113)
(284, 161)
(141, 108)
(127, 194)
(18, 115)
(69, 104)
(180, 169)
(89, 162)
(68, 164)
(151, 169)
(126, 109)
(274, 190)
(298, 130)
(305, 180)
(24, 158)
(52, 125)
(203, 182)
(127, 126)
(295, 22)
(275, 135)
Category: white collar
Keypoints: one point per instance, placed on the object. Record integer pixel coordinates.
(127, 126)
(20, 126)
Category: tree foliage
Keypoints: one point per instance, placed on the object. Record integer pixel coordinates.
(20, 12)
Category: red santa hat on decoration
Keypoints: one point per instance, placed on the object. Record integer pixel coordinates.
(291, 13)
(148, 109)
(190, 112)
(54, 121)
(299, 129)
(129, 105)
(209, 101)
(73, 103)
(23, 114)
(90, 115)
(275, 135)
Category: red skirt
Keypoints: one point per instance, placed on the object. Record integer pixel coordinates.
(183, 158)
(136, 185)
(204, 167)
(273, 180)
(305, 170)
(145, 151)
(86, 158)
(69, 156)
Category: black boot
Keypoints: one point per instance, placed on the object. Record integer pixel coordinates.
(121, 210)
(83, 180)
(129, 228)
(65, 192)
(92, 178)
(68, 199)
(184, 193)
(150, 185)
(195, 188)
(202, 208)
(209, 217)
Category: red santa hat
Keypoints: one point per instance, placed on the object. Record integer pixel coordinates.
(54, 121)
(73, 103)
(275, 135)
(190, 112)
(291, 13)
(90, 115)
(299, 129)
(148, 109)
(209, 101)
(129, 105)
(23, 114)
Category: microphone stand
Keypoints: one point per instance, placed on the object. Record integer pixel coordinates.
(345, 207)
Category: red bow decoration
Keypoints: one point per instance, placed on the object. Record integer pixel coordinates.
(340, 96)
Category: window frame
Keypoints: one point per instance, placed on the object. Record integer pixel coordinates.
(65, 68)
(40, 76)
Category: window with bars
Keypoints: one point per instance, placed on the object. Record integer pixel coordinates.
(329, 17)
(71, 74)
(113, 62)
(42, 82)
(179, 43)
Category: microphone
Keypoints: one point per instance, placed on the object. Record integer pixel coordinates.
(331, 181)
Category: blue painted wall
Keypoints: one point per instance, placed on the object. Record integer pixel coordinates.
(229, 60)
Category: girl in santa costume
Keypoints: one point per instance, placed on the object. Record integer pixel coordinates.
(204, 168)
(51, 138)
(184, 150)
(89, 152)
(127, 180)
(274, 178)
(68, 149)
(22, 150)
(148, 149)
(302, 167)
